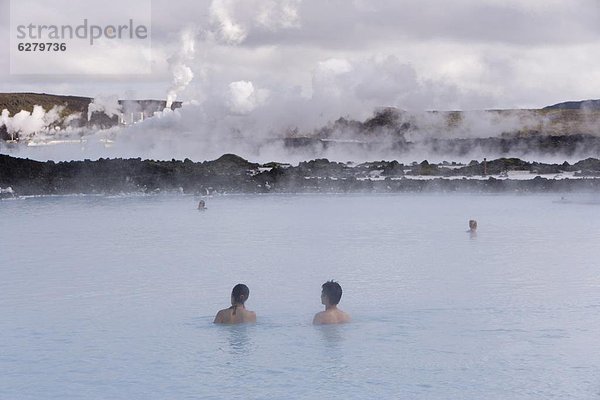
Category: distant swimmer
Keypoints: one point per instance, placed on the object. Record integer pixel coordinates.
(472, 226)
(237, 313)
(201, 205)
(330, 297)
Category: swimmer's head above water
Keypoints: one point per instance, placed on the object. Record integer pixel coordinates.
(237, 313)
(239, 294)
(472, 225)
(331, 293)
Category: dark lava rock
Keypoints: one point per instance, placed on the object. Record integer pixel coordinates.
(590, 164)
(233, 174)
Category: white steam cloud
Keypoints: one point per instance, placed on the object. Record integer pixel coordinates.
(243, 98)
(108, 105)
(255, 119)
(25, 124)
(234, 19)
(178, 65)
(228, 31)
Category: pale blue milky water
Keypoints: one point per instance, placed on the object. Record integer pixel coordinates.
(113, 297)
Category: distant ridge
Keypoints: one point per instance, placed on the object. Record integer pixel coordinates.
(15, 102)
(575, 105)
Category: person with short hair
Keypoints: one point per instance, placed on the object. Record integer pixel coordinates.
(330, 297)
(237, 313)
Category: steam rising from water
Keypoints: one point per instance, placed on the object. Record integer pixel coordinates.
(108, 105)
(251, 116)
(27, 124)
(182, 73)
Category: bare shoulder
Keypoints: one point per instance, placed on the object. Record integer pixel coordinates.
(339, 317)
(345, 317)
(251, 316)
(320, 318)
(220, 317)
(331, 317)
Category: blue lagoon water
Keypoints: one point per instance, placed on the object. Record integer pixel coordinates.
(113, 297)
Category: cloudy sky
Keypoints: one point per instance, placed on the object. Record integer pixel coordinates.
(425, 54)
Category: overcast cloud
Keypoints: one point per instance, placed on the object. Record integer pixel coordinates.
(348, 54)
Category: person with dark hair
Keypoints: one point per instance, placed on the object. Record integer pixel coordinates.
(330, 297)
(237, 313)
(472, 225)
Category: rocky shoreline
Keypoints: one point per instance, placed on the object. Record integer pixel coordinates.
(233, 174)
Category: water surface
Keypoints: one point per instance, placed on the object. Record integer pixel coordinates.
(113, 297)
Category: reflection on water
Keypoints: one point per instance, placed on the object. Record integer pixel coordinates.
(235, 340)
(240, 342)
(332, 335)
(333, 365)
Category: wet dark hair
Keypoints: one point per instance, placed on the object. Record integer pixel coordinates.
(240, 293)
(333, 291)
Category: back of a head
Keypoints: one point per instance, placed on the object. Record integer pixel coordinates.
(240, 293)
(333, 291)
